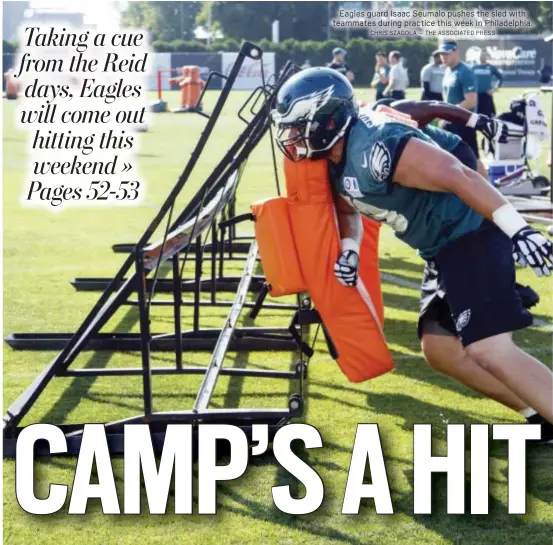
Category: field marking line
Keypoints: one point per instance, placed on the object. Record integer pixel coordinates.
(400, 281)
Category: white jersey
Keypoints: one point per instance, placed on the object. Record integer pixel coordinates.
(398, 74)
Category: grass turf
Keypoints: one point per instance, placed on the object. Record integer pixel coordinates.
(43, 250)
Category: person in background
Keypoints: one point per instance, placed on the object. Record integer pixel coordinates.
(459, 88)
(545, 72)
(432, 76)
(381, 71)
(12, 84)
(488, 80)
(306, 64)
(398, 78)
(339, 63)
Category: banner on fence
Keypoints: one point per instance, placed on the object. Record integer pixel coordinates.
(518, 57)
(250, 73)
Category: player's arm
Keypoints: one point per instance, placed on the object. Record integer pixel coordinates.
(441, 171)
(375, 80)
(351, 233)
(384, 77)
(425, 111)
(349, 219)
(470, 101)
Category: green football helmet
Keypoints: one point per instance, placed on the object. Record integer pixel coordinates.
(314, 109)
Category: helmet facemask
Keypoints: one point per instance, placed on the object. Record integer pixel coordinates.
(306, 137)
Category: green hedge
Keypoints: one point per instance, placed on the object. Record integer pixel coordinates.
(361, 54)
(9, 47)
(360, 58)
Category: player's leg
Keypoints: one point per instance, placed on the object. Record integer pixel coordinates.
(478, 274)
(444, 353)
(481, 169)
(530, 379)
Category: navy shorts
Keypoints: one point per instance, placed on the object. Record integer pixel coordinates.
(469, 287)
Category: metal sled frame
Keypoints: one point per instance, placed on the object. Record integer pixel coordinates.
(211, 210)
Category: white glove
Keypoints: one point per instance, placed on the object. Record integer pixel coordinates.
(532, 248)
(346, 268)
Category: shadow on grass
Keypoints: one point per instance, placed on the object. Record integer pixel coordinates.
(236, 383)
(79, 387)
(414, 411)
(496, 527)
(396, 264)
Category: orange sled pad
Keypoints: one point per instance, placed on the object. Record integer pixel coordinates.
(353, 317)
(277, 248)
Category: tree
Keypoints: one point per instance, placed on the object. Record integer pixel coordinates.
(253, 20)
(165, 20)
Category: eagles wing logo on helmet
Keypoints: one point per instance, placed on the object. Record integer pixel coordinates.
(380, 162)
(304, 105)
(322, 97)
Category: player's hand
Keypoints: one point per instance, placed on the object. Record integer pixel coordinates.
(533, 249)
(346, 268)
(492, 129)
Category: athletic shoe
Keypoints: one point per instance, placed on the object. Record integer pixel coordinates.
(529, 297)
(546, 429)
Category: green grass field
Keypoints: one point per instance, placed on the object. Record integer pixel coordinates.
(44, 250)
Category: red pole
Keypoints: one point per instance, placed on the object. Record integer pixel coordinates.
(159, 84)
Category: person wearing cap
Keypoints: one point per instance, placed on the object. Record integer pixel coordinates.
(398, 79)
(488, 80)
(381, 72)
(459, 88)
(339, 63)
(432, 76)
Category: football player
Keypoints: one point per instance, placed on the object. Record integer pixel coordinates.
(393, 172)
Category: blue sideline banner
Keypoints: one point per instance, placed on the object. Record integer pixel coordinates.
(518, 57)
